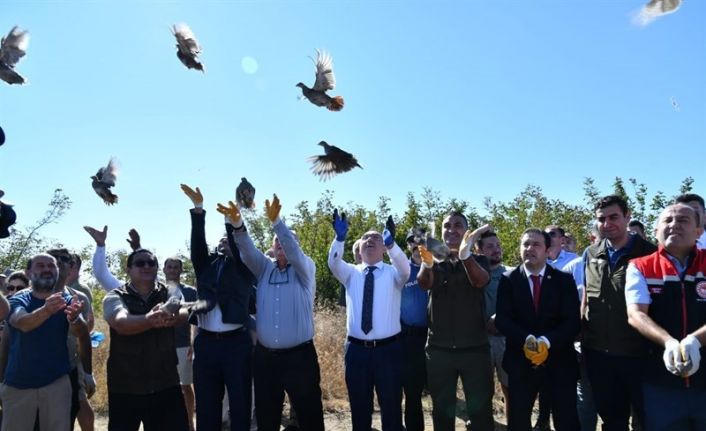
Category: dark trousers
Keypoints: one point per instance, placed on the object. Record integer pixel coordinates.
(295, 371)
(472, 365)
(414, 376)
(163, 410)
(75, 387)
(220, 363)
(559, 388)
(617, 387)
(374, 368)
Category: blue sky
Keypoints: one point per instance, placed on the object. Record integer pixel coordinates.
(471, 98)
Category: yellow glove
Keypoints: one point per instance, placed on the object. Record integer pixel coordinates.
(232, 214)
(541, 355)
(195, 196)
(427, 257)
(272, 210)
(530, 347)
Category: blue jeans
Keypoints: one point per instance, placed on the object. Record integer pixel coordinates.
(376, 368)
(220, 363)
(674, 409)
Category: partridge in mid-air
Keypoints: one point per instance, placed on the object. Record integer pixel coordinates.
(188, 48)
(104, 179)
(12, 48)
(662, 7)
(333, 161)
(2, 136)
(245, 194)
(325, 80)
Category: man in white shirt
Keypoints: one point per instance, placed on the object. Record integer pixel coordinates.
(373, 350)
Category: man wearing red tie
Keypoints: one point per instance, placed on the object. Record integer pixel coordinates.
(538, 312)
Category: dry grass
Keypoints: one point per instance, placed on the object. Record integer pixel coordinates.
(329, 341)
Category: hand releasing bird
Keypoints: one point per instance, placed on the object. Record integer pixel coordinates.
(104, 179)
(334, 161)
(325, 80)
(188, 48)
(12, 48)
(245, 194)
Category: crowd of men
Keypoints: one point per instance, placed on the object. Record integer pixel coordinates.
(614, 332)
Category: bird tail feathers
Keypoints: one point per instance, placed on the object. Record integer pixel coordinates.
(336, 104)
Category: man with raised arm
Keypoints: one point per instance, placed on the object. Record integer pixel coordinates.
(373, 299)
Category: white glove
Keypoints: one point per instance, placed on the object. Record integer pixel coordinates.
(89, 384)
(672, 356)
(691, 355)
(464, 251)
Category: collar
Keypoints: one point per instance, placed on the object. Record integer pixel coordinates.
(378, 265)
(628, 245)
(527, 272)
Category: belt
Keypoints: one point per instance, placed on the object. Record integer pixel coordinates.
(373, 343)
(223, 334)
(301, 346)
(419, 331)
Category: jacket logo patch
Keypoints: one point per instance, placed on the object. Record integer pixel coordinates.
(655, 289)
(701, 289)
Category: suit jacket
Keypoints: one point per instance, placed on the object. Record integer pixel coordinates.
(557, 319)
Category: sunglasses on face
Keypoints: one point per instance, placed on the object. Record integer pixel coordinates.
(12, 287)
(143, 263)
(63, 258)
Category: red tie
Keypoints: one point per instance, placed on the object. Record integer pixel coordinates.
(536, 290)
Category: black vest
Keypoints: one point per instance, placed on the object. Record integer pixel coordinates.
(142, 363)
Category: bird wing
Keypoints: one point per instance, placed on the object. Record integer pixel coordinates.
(186, 41)
(335, 161)
(110, 173)
(325, 79)
(14, 46)
(657, 8)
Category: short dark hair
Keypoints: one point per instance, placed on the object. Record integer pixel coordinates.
(609, 200)
(484, 235)
(690, 197)
(454, 213)
(131, 256)
(556, 227)
(76, 260)
(547, 238)
(55, 251)
(175, 259)
(19, 275)
(637, 223)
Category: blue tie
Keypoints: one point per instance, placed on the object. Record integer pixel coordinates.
(367, 323)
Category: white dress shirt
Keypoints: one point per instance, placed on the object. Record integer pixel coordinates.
(387, 294)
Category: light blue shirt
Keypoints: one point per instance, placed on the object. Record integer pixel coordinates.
(285, 298)
(562, 259)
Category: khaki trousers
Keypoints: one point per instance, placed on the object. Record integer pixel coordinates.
(53, 402)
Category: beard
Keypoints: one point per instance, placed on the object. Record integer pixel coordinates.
(43, 283)
(495, 260)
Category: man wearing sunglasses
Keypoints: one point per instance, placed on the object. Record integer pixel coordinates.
(285, 358)
(143, 383)
(373, 302)
(83, 385)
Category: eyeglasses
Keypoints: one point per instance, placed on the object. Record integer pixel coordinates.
(279, 277)
(63, 258)
(143, 263)
(373, 236)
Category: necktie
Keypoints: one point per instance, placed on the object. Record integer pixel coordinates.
(367, 322)
(536, 290)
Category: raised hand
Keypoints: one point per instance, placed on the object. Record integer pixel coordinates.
(388, 234)
(195, 195)
(231, 213)
(133, 239)
(272, 209)
(470, 238)
(340, 225)
(427, 257)
(97, 235)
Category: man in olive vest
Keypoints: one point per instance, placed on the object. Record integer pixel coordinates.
(143, 383)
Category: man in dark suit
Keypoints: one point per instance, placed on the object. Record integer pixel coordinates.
(538, 312)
